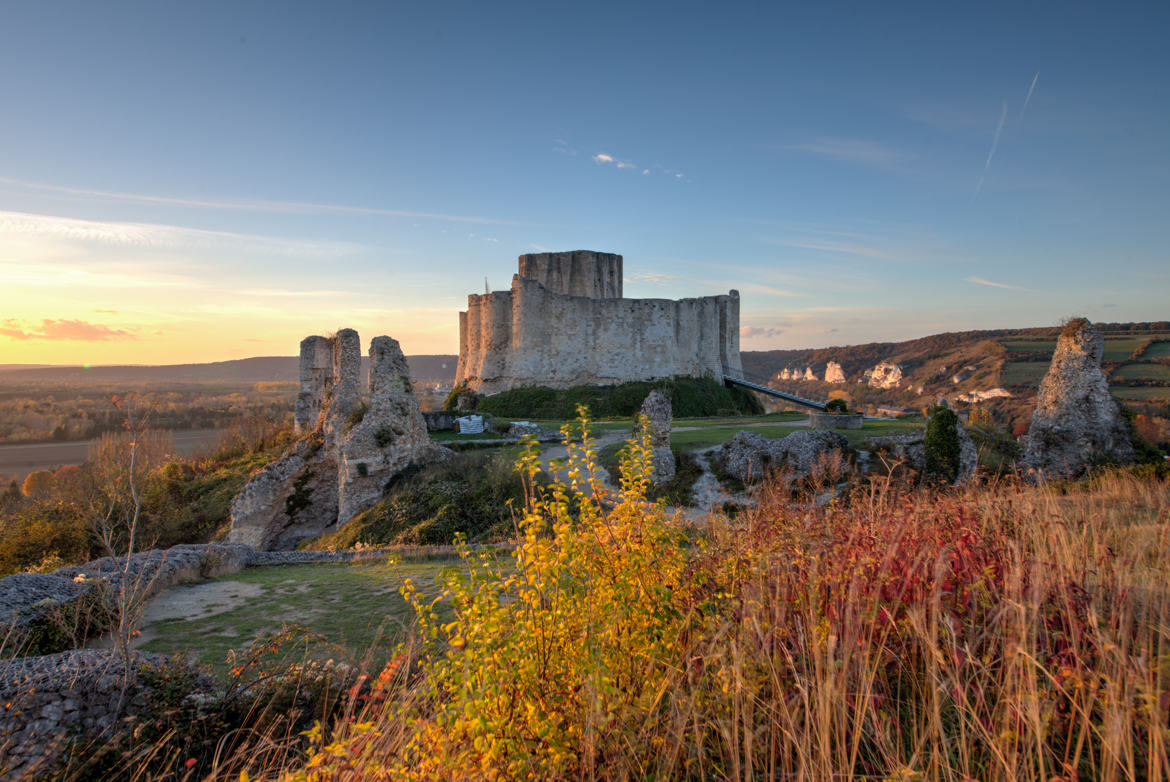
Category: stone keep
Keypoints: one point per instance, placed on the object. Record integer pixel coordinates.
(1076, 421)
(564, 323)
(344, 457)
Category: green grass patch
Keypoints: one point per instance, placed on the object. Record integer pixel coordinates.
(715, 435)
(1141, 372)
(355, 608)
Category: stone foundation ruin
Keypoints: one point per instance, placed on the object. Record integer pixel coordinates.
(564, 323)
(348, 450)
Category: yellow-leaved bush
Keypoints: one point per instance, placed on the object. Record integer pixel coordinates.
(548, 660)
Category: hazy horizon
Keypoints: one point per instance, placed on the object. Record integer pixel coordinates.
(215, 181)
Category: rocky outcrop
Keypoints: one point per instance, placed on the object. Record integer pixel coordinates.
(748, 455)
(910, 449)
(834, 373)
(885, 375)
(342, 464)
(979, 396)
(658, 415)
(1076, 423)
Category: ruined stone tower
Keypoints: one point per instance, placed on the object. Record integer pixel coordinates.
(564, 323)
(347, 452)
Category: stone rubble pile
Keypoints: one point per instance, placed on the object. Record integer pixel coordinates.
(749, 455)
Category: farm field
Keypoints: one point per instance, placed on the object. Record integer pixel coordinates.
(1048, 345)
(1020, 373)
(1122, 348)
(18, 460)
(1141, 372)
(1141, 393)
(1157, 350)
(351, 610)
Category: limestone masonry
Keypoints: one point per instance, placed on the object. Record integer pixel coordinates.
(564, 323)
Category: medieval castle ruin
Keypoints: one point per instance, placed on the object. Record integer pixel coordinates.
(564, 323)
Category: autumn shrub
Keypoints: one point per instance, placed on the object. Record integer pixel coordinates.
(1009, 632)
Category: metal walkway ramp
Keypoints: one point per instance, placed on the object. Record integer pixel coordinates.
(800, 400)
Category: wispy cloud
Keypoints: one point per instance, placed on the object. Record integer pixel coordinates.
(652, 278)
(155, 235)
(1031, 89)
(607, 159)
(761, 332)
(278, 207)
(870, 153)
(989, 283)
(840, 248)
(62, 330)
(991, 152)
(769, 290)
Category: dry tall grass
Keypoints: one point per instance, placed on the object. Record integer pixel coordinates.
(1008, 632)
(1002, 633)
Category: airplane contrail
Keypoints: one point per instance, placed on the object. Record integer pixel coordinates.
(991, 152)
(1028, 97)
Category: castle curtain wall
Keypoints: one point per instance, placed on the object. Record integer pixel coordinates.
(532, 335)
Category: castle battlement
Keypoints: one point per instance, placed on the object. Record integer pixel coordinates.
(564, 323)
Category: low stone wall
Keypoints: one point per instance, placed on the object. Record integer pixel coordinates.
(835, 420)
(47, 702)
(438, 421)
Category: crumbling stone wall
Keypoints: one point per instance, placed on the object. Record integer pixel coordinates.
(580, 273)
(342, 464)
(47, 702)
(534, 335)
(316, 378)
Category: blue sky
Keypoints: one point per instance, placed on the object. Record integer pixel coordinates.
(213, 180)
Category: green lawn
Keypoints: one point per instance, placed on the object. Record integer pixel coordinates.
(356, 607)
(708, 436)
(1142, 372)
